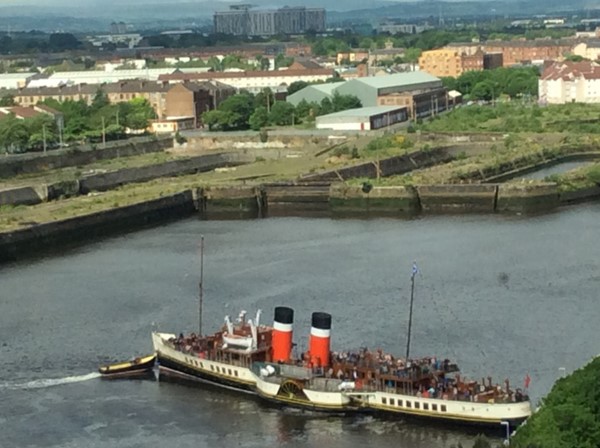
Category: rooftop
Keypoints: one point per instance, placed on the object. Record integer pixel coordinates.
(364, 111)
(398, 79)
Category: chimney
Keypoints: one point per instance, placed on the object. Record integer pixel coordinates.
(320, 333)
(282, 334)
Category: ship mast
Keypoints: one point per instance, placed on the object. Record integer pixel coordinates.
(415, 270)
(201, 285)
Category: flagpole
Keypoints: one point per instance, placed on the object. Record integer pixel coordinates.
(412, 295)
(201, 286)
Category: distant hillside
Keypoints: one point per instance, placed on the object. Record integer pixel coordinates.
(460, 9)
(88, 15)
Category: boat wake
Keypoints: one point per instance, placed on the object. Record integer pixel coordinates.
(50, 382)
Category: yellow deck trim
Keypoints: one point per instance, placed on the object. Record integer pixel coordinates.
(212, 372)
(438, 414)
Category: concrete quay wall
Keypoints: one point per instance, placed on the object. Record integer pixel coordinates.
(379, 201)
(527, 198)
(386, 167)
(460, 198)
(21, 243)
(32, 195)
(246, 202)
(243, 202)
(207, 162)
(13, 165)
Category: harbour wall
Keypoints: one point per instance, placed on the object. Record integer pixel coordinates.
(31, 195)
(386, 167)
(13, 165)
(299, 199)
(21, 243)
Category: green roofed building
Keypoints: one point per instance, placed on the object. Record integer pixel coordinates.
(314, 93)
(421, 93)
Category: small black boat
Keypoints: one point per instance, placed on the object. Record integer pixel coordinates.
(137, 366)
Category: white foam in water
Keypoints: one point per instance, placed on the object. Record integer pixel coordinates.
(39, 384)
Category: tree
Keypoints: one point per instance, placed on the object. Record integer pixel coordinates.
(344, 102)
(139, 112)
(63, 42)
(100, 100)
(282, 113)
(218, 119)
(483, 90)
(296, 86)
(282, 60)
(259, 119)
(264, 98)
(41, 128)
(238, 109)
(13, 134)
(7, 101)
(325, 107)
(412, 54)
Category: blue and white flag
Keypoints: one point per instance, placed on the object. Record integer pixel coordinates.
(415, 269)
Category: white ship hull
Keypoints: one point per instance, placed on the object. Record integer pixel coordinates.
(191, 366)
(451, 410)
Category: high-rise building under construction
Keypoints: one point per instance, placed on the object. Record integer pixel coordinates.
(241, 20)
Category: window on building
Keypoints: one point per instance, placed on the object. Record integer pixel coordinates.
(417, 405)
(434, 407)
(384, 400)
(426, 406)
(392, 402)
(443, 408)
(408, 404)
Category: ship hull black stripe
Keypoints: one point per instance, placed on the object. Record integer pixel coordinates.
(215, 379)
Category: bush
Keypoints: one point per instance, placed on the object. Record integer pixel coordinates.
(180, 139)
(341, 151)
(263, 135)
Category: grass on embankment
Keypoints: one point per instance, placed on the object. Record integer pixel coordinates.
(573, 118)
(76, 172)
(513, 153)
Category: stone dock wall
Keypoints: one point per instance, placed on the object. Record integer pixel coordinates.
(13, 165)
(302, 199)
(31, 195)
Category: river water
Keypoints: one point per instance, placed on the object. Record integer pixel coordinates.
(501, 295)
(560, 168)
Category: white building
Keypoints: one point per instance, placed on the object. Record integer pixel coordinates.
(15, 80)
(362, 119)
(99, 77)
(254, 81)
(567, 82)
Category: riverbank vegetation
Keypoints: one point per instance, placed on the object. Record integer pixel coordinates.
(569, 416)
(514, 116)
(511, 153)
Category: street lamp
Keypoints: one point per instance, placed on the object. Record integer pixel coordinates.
(507, 425)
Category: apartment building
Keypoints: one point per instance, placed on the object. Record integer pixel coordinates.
(570, 82)
(519, 51)
(170, 102)
(449, 62)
